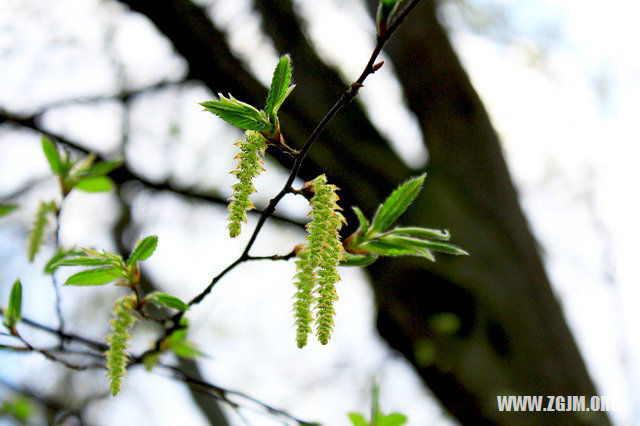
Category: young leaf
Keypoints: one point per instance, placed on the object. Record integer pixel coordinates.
(358, 419)
(81, 261)
(104, 167)
(53, 157)
(14, 309)
(186, 349)
(237, 113)
(386, 9)
(423, 244)
(357, 260)
(94, 184)
(98, 276)
(36, 235)
(168, 301)
(423, 233)
(390, 248)
(279, 89)
(364, 223)
(396, 204)
(394, 419)
(144, 249)
(5, 209)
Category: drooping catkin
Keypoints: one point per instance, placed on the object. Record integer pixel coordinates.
(318, 261)
(305, 283)
(249, 166)
(118, 341)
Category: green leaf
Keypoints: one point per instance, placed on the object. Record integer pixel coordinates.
(357, 259)
(388, 248)
(94, 184)
(422, 233)
(394, 419)
(279, 89)
(186, 349)
(14, 308)
(237, 113)
(430, 245)
(396, 204)
(98, 276)
(51, 265)
(5, 209)
(167, 300)
(81, 261)
(53, 157)
(104, 167)
(36, 234)
(143, 250)
(364, 223)
(358, 419)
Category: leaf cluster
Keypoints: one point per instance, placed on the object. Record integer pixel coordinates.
(84, 174)
(248, 117)
(377, 238)
(106, 266)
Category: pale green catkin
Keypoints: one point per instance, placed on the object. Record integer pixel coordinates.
(305, 283)
(118, 341)
(249, 166)
(317, 264)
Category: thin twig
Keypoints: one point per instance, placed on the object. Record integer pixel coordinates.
(54, 280)
(223, 394)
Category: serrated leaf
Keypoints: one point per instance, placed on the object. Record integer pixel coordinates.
(237, 113)
(94, 184)
(81, 261)
(14, 308)
(394, 419)
(168, 301)
(279, 86)
(98, 276)
(49, 268)
(357, 259)
(143, 250)
(358, 419)
(52, 155)
(385, 248)
(422, 233)
(5, 209)
(104, 167)
(396, 204)
(36, 234)
(424, 244)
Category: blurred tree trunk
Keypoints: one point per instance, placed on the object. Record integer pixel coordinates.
(504, 332)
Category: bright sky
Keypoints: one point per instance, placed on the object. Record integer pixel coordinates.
(566, 114)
